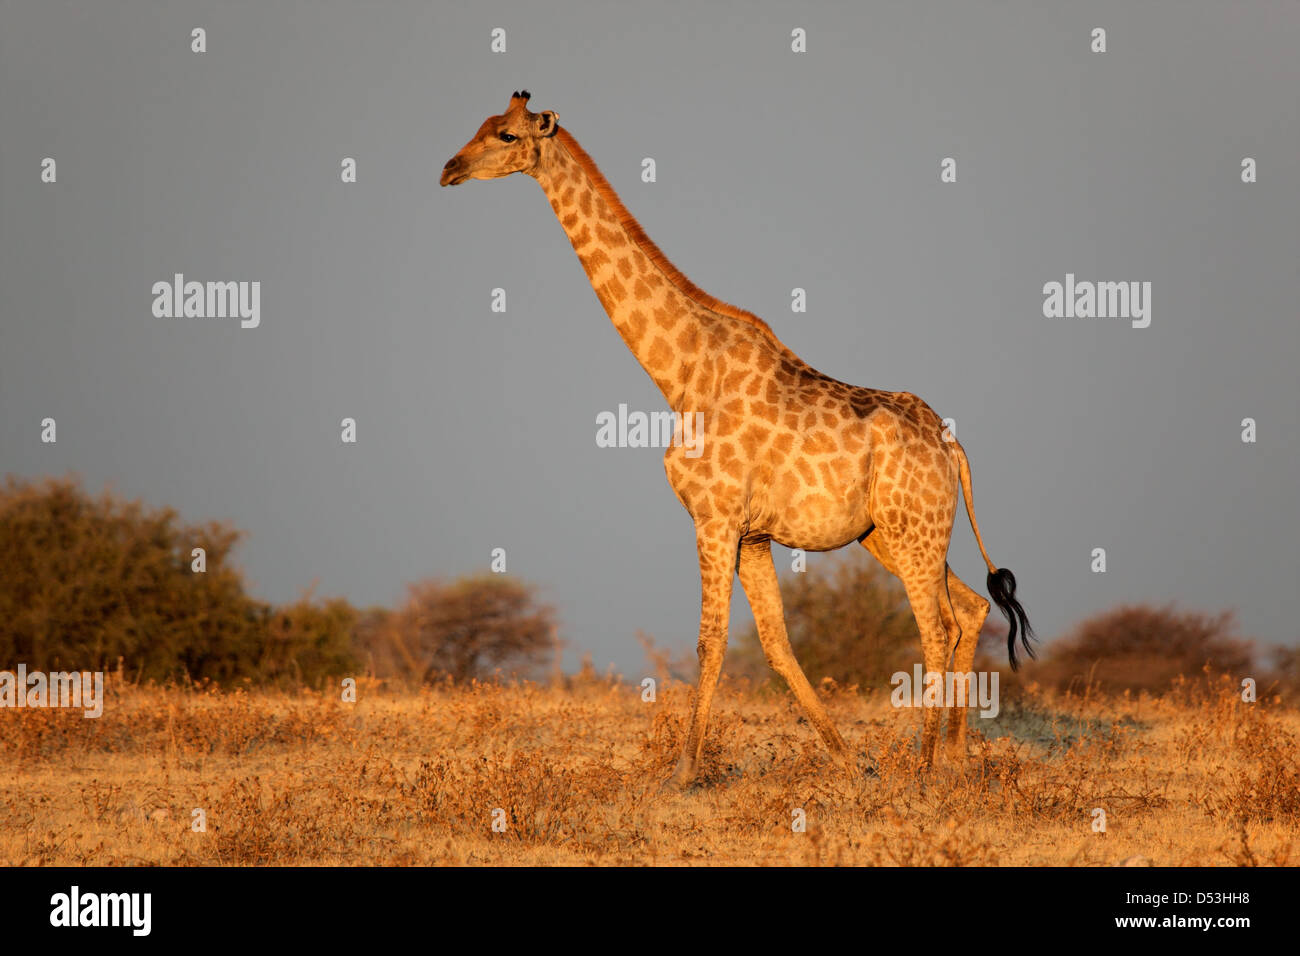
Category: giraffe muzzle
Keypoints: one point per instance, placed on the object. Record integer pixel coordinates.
(452, 174)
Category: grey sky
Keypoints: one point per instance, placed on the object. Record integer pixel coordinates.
(775, 170)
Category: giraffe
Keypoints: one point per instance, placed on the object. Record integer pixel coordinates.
(788, 454)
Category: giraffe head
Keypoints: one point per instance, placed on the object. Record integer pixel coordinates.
(505, 144)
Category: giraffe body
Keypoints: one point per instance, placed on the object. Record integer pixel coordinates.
(787, 454)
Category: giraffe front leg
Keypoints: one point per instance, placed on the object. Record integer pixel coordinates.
(717, 543)
(758, 578)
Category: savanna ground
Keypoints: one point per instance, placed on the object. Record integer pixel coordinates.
(1195, 777)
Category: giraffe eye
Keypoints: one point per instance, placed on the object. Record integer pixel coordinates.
(508, 138)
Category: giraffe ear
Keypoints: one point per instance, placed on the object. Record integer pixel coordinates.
(548, 122)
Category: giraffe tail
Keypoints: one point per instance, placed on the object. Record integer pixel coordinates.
(1001, 582)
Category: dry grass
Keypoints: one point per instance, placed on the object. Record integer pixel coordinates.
(402, 778)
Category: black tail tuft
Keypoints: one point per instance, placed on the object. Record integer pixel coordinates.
(1002, 588)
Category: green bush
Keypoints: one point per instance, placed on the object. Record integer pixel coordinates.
(86, 581)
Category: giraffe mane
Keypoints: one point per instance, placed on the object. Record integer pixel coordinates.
(656, 255)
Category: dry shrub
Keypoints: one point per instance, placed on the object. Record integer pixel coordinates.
(412, 779)
(1285, 676)
(191, 721)
(1081, 779)
(255, 824)
(1140, 648)
(548, 800)
(909, 843)
(661, 748)
(235, 726)
(1264, 783)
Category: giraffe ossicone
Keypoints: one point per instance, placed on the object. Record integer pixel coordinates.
(788, 454)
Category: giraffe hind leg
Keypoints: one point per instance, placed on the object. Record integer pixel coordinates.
(971, 609)
(922, 569)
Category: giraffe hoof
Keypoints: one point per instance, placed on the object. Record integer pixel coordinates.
(683, 779)
(674, 785)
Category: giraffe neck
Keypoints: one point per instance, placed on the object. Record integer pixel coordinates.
(666, 327)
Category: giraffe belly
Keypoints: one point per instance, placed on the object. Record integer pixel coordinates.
(818, 537)
(814, 519)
